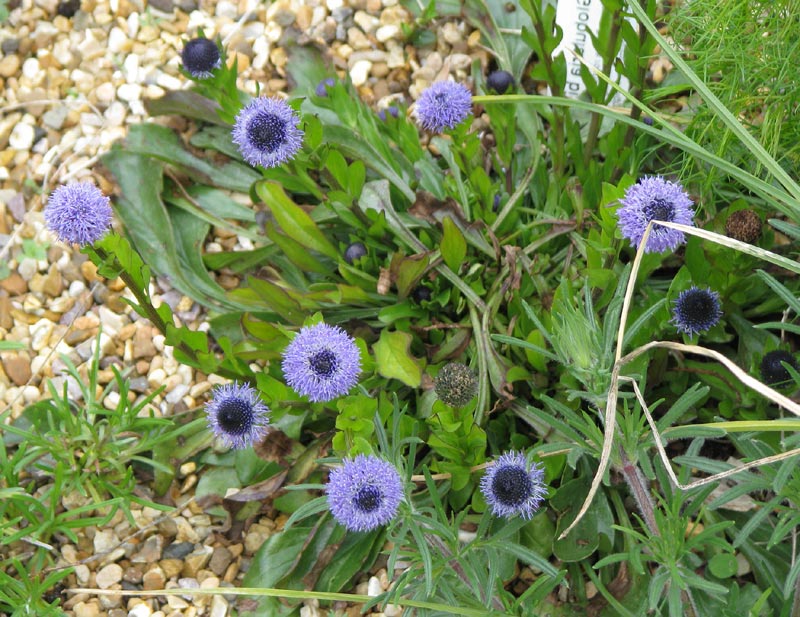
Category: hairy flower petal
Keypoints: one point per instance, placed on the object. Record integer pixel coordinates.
(78, 213)
(266, 132)
(512, 486)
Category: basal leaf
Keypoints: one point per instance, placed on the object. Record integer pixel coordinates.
(394, 359)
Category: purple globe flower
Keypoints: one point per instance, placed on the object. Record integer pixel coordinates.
(237, 415)
(322, 362)
(266, 132)
(512, 486)
(444, 105)
(654, 198)
(696, 310)
(364, 493)
(78, 213)
(200, 57)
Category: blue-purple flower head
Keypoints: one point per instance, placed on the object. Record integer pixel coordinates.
(654, 198)
(78, 213)
(513, 485)
(266, 132)
(200, 57)
(444, 105)
(696, 310)
(237, 415)
(322, 87)
(322, 362)
(364, 493)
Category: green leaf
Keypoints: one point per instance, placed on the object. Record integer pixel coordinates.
(297, 224)
(454, 246)
(394, 359)
(723, 565)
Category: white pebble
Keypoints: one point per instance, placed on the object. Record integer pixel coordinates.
(117, 40)
(374, 587)
(130, 69)
(30, 394)
(21, 137)
(360, 72)
(365, 21)
(227, 9)
(76, 288)
(140, 610)
(385, 33)
(28, 266)
(31, 69)
(115, 114)
(169, 82)
(109, 575)
(129, 92)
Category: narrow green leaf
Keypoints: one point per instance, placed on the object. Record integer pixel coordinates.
(297, 224)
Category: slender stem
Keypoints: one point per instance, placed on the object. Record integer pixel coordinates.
(143, 299)
(639, 490)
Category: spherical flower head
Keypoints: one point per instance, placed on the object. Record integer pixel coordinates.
(654, 198)
(78, 213)
(266, 132)
(512, 486)
(444, 105)
(200, 57)
(696, 310)
(364, 493)
(237, 415)
(743, 225)
(455, 384)
(500, 81)
(322, 362)
(355, 251)
(773, 372)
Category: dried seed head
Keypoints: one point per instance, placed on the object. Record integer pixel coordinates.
(744, 226)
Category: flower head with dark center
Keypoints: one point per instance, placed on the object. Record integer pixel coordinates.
(455, 384)
(78, 213)
(773, 372)
(696, 310)
(512, 486)
(200, 57)
(237, 415)
(364, 493)
(322, 362)
(444, 105)
(266, 132)
(655, 199)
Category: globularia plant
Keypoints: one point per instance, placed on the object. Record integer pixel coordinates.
(477, 283)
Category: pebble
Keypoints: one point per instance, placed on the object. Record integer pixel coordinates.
(109, 575)
(9, 65)
(87, 609)
(129, 92)
(151, 550)
(141, 610)
(22, 137)
(360, 72)
(154, 579)
(219, 607)
(178, 550)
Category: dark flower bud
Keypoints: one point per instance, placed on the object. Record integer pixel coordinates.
(648, 120)
(322, 87)
(773, 373)
(500, 81)
(355, 251)
(743, 225)
(200, 57)
(496, 203)
(421, 294)
(456, 384)
(696, 310)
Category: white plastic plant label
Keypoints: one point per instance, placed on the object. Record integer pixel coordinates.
(577, 18)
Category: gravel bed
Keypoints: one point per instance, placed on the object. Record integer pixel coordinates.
(74, 76)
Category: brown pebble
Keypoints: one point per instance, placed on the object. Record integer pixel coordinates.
(154, 579)
(18, 367)
(89, 271)
(171, 567)
(14, 284)
(220, 560)
(79, 335)
(5, 311)
(143, 343)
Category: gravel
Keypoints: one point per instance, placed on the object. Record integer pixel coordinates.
(74, 76)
